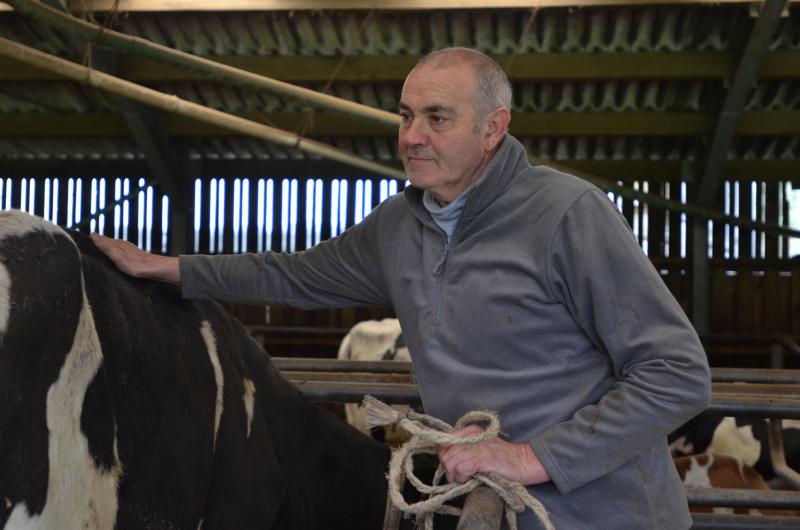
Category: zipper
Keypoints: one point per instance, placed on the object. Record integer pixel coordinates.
(439, 271)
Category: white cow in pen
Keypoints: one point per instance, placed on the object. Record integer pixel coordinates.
(372, 340)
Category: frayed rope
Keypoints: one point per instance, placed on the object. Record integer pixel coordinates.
(427, 433)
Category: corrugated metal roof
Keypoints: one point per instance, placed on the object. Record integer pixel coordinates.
(601, 29)
(591, 96)
(665, 28)
(552, 30)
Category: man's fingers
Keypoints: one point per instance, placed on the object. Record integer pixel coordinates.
(99, 241)
(108, 246)
(462, 461)
(462, 464)
(469, 430)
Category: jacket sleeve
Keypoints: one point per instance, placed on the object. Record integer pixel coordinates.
(599, 272)
(340, 272)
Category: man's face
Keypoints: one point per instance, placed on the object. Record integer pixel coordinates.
(442, 149)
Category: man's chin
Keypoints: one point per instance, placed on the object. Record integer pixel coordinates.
(418, 179)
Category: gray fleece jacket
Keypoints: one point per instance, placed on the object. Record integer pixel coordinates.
(542, 307)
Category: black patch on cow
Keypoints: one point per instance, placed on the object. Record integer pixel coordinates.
(97, 423)
(400, 342)
(301, 468)
(45, 304)
(391, 353)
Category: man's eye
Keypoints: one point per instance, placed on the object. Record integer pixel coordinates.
(406, 117)
(438, 120)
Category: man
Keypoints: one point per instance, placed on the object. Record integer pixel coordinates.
(519, 289)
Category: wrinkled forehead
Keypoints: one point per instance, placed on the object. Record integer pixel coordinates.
(427, 85)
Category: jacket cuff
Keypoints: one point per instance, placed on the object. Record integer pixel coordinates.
(550, 465)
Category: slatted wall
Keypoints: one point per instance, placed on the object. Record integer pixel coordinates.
(755, 278)
(284, 214)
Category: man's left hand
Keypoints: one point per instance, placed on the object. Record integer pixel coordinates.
(515, 462)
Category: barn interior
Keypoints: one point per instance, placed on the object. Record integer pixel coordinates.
(254, 125)
(686, 113)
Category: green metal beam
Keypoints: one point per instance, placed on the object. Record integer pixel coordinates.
(539, 124)
(543, 67)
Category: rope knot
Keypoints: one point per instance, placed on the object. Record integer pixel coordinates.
(427, 433)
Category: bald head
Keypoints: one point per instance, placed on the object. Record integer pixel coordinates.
(492, 88)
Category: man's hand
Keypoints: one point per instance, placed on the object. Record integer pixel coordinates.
(132, 260)
(515, 462)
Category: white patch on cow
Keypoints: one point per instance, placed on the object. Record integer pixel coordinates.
(211, 344)
(79, 495)
(249, 393)
(14, 223)
(368, 341)
(697, 475)
(737, 442)
(681, 446)
(200, 525)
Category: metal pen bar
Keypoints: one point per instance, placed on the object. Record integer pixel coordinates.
(709, 521)
(768, 407)
(335, 365)
(759, 389)
(348, 377)
(341, 392)
(718, 375)
(361, 372)
(744, 498)
(302, 331)
(407, 393)
(755, 375)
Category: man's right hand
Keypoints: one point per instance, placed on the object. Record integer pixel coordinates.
(132, 260)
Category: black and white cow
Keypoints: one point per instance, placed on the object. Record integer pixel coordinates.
(124, 406)
(374, 340)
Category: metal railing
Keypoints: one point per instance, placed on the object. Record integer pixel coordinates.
(770, 393)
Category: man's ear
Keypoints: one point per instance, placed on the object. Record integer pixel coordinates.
(496, 124)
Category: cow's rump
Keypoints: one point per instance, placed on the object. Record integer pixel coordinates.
(124, 406)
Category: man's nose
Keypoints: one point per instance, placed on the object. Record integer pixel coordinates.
(414, 133)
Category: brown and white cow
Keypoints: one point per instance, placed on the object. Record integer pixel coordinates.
(708, 470)
(743, 437)
(124, 406)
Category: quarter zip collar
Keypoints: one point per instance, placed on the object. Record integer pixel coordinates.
(509, 160)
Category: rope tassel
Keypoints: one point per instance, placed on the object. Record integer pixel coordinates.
(427, 433)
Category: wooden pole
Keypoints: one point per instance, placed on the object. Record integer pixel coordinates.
(483, 510)
(189, 109)
(206, 67)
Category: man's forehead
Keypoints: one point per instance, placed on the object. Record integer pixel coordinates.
(429, 108)
(434, 89)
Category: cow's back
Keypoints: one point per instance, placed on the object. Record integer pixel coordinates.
(168, 414)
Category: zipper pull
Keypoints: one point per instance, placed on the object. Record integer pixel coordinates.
(437, 270)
